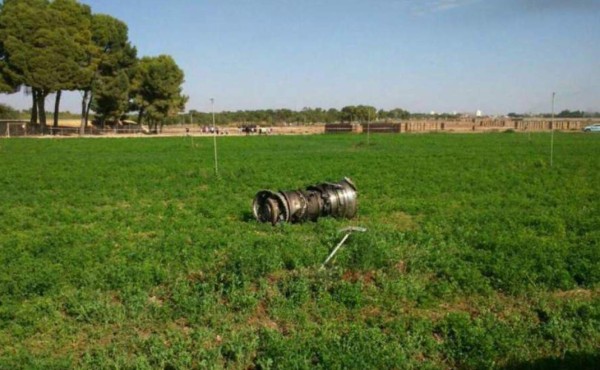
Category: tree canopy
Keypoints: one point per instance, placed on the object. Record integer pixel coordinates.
(156, 88)
(50, 46)
(8, 112)
(305, 116)
(44, 45)
(360, 113)
(112, 59)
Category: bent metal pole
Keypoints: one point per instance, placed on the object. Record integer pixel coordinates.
(326, 199)
(348, 231)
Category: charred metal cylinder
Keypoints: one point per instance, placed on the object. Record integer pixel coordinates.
(327, 199)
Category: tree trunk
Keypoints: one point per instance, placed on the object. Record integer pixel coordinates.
(41, 101)
(141, 116)
(87, 109)
(83, 110)
(57, 107)
(34, 108)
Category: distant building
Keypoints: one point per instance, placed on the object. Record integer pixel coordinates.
(478, 113)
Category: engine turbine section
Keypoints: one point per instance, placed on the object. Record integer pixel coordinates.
(327, 199)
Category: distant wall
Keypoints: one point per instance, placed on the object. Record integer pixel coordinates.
(22, 128)
(490, 124)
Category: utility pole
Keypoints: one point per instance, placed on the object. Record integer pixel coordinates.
(212, 104)
(552, 134)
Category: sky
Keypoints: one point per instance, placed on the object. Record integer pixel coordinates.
(497, 56)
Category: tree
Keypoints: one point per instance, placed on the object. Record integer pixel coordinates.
(21, 36)
(571, 114)
(156, 89)
(110, 59)
(43, 46)
(73, 27)
(7, 84)
(8, 112)
(111, 97)
(394, 114)
(333, 115)
(359, 113)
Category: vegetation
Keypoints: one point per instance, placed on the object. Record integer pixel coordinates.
(306, 116)
(44, 46)
(50, 46)
(157, 88)
(477, 254)
(8, 112)
(568, 114)
(111, 62)
(563, 114)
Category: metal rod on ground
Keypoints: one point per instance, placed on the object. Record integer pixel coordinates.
(349, 230)
(212, 103)
(335, 250)
(552, 134)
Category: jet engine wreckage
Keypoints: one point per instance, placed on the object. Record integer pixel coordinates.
(322, 200)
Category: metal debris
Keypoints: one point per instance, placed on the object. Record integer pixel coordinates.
(348, 231)
(327, 199)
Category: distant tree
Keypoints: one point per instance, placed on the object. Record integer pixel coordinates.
(333, 115)
(348, 113)
(398, 113)
(156, 89)
(361, 113)
(571, 114)
(8, 112)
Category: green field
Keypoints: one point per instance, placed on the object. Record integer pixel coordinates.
(130, 253)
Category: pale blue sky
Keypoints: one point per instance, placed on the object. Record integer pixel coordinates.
(499, 56)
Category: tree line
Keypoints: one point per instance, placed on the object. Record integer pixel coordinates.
(562, 114)
(306, 116)
(60, 45)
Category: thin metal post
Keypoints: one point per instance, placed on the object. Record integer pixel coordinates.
(212, 103)
(369, 127)
(552, 133)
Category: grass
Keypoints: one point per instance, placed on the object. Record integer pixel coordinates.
(130, 253)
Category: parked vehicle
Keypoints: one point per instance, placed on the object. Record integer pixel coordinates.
(592, 128)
